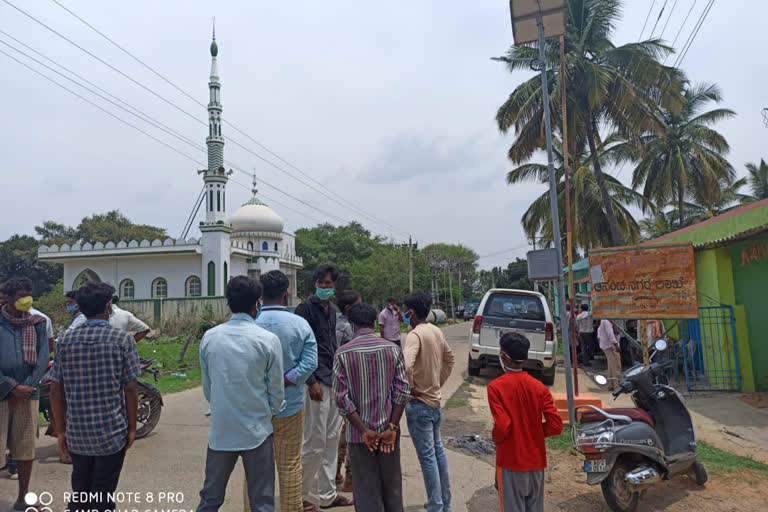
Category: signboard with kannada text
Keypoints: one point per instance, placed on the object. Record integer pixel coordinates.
(649, 282)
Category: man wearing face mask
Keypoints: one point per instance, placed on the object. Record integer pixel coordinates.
(389, 322)
(429, 362)
(23, 361)
(518, 403)
(78, 318)
(322, 422)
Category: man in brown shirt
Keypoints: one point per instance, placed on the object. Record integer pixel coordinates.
(428, 362)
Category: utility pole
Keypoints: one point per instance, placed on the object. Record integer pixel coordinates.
(450, 287)
(563, 80)
(555, 218)
(410, 265)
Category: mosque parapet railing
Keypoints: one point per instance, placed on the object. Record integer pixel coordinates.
(44, 250)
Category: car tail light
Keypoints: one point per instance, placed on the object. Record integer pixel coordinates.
(477, 324)
(550, 336)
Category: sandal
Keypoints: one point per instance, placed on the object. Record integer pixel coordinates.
(340, 501)
(309, 507)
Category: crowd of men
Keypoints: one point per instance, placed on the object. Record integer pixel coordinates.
(314, 394)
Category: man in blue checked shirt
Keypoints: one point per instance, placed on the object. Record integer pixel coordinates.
(299, 361)
(95, 419)
(242, 372)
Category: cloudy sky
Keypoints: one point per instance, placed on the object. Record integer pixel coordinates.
(388, 104)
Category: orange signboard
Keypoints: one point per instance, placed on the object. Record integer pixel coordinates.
(650, 282)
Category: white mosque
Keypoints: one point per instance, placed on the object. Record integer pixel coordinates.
(250, 242)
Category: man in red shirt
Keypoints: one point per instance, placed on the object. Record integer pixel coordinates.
(518, 404)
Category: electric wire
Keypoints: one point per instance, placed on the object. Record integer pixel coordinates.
(647, 17)
(682, 25)
(661, 12)
(193, 214)
(160, 141)
(344, 202)
(692, 38)
(353, 206)
(671, 11)
(127, 107)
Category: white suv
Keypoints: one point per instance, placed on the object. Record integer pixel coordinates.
(523, 311)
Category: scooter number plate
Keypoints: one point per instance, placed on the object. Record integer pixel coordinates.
(596, 466)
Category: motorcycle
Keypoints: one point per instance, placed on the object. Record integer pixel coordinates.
(630, 449)
(150, 400)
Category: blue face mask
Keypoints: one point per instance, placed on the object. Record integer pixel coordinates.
(324, 293)
(71, 308)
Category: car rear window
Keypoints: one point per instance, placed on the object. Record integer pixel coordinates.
(527, 307)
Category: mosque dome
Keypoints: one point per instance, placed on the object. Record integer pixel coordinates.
(256, 216)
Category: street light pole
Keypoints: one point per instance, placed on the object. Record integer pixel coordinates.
(555, 222)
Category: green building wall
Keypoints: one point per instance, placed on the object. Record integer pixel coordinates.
(749, 262)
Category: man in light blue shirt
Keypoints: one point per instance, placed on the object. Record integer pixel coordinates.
(242, 372)
(299, 361)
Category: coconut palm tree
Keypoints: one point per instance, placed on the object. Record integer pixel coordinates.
(589, 221)
(711, 203)
(608, 86)
(681, 154)
(702, 207)
(658, 224)
(758, 180)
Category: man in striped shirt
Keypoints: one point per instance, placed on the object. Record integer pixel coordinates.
(371, 389)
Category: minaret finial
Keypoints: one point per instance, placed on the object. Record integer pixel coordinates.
(214, 46)
(254, 189)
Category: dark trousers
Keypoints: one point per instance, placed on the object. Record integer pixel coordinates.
(259, 465)
(585, 344)
(379, 488)
(98, 475)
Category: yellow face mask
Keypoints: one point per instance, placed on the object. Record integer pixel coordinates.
(23, 304)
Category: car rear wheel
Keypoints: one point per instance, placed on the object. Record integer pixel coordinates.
(548, 376)
(473, 367)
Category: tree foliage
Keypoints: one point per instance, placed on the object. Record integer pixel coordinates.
(328, 244)
(378, 268)
(112, 226)
(18, 254)
(18, 258)
(514, 276)
(384, 274)
(589, 220)
(758, 181)
(608, 86)
(681, 155)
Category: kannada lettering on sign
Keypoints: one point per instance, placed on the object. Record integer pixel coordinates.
(654, 282)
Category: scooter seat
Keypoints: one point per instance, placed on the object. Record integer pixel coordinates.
(635, 414)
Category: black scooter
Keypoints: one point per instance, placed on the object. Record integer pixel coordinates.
(629, 450)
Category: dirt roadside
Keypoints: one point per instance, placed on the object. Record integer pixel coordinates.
(467, 413)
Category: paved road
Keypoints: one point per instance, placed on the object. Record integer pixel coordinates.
(172, 459)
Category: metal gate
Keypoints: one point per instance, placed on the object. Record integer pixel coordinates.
(709, 353)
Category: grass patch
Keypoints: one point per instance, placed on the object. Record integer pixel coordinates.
(166, 350)
(561, 443)
(721, 461)
(461, 397)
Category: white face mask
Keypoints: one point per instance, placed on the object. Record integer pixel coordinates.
(507, 368)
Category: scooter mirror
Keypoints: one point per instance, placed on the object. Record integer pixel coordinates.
(601, 380)
(660, 345)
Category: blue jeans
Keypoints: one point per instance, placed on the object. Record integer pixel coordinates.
(424, 426)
